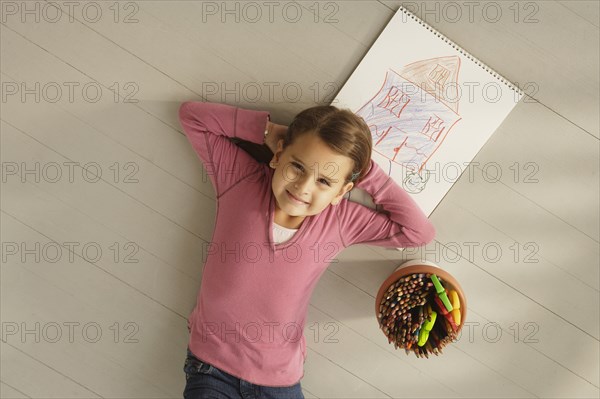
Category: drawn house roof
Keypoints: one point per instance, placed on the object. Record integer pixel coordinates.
(437, 76)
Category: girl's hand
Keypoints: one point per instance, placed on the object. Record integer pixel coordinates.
(275, 133)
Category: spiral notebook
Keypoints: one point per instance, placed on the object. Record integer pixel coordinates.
(430, 105)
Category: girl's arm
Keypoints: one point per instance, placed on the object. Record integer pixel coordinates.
(211, 128)
(400, 222)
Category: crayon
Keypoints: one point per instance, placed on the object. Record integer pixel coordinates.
(455, 306)
(426, 327)
(440, 305)
(441, 292)
(450, 321)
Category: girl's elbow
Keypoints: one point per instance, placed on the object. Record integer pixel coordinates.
(185, 111)
(428, 234)
(424, 236)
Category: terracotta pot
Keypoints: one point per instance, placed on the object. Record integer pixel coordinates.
(421, 266)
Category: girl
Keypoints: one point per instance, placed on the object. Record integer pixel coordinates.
(278, 226)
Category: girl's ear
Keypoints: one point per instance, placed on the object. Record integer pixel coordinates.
(343, 191)
(277, 154)
(279, 146)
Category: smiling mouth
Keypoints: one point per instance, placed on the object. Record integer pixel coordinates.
(295, 199)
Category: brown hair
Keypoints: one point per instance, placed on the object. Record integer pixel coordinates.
(343, 131)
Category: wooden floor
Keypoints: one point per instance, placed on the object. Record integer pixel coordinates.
(106, 208)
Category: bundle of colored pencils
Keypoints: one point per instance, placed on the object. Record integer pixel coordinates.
(419, 314)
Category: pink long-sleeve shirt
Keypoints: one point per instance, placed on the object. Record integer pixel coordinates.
(252, 304)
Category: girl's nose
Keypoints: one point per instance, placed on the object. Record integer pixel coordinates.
(304, 183)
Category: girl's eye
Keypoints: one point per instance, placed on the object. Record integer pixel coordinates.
(299, 167)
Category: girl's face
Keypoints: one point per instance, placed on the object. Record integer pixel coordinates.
(310, 171)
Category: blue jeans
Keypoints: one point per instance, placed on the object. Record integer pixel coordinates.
(205, 381)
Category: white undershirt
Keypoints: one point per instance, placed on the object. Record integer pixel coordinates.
(282, 234)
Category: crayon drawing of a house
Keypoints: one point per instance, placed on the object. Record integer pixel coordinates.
(412, 114)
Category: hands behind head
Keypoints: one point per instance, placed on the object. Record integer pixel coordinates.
(275, 133)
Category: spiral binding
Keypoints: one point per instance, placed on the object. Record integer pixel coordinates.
(462, 51)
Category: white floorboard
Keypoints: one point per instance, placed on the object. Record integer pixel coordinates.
(533, 308)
